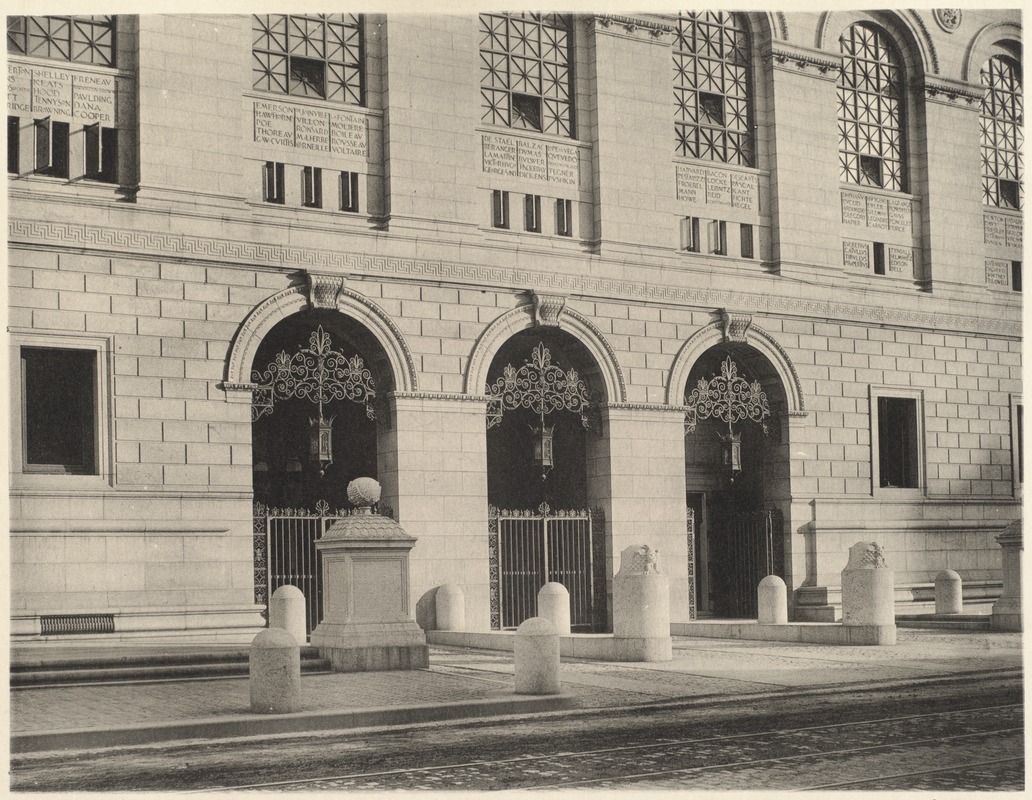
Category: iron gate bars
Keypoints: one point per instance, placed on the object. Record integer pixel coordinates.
(531, 548)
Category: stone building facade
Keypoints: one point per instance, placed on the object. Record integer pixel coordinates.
(830, 203)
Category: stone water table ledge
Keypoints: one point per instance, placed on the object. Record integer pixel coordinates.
(803, 632)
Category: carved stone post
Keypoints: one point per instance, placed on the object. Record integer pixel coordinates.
(868, 591)
(641, 605)
(1007, 609)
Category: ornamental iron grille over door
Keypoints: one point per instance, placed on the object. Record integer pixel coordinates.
(529, 549)
(745, 547)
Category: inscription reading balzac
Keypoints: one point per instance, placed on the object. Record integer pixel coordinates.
(997, 272)
(530, 160)
(856, 255)
(900, 215)
(995, 227)
(744, 191)
(854, 210)
(901, 261)
(691, 184)
(718, 188)
(877, 212)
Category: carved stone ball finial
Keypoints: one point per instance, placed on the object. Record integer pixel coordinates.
(364, 493)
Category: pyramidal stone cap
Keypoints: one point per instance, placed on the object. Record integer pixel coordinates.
(363, 524)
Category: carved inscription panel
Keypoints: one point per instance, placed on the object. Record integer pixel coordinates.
(316, 129)
(856, 255)
(1013, 237)
(61, 93)
(744, 191)
(997, 272)
(900, 215)
(854, 209)
(877, 212)
(691, 184)
(995, 230)
(530, 159)
(901, 262)
(699, 185)
(718, 188)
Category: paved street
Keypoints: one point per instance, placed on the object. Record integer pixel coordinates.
(950, 735)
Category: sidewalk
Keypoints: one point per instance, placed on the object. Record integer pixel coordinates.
(462, 684)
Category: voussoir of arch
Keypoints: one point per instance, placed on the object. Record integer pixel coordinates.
(980, 48)
(758, 339)
(520, 319)
(907, 25)
(276, 308)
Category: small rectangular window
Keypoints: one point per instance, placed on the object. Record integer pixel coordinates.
(499, 209)
(871, 171)
(898, 443)
(51, 147)
(564, 217)
(879, 258)
(532, 213)
(526, 111)
(349, 192)
(1010, 194)
(272, 182)
(101, 153)
(718, 237)
(311, 187)
(747, 241)
(690, 235)
(1016, 276)
(13, 145)
(59, 422)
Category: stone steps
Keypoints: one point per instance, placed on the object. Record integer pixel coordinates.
(953, 622)
(136, 667)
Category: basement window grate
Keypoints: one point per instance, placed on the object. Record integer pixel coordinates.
(68, 624)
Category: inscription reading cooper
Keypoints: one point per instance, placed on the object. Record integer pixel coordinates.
(93, 98)
(877, 213)
(900, 216)
(854, 209)
(995, 227)
(718, 188)
(855, 255)
(997, 272)
(744, 190)
(691, 184)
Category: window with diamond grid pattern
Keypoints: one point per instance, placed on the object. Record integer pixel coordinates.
(525, 72)
(870, 115)
(1001, 120)
(713, 118)
(84, 40)
(317, 55)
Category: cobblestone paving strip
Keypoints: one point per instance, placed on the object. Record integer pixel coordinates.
(775, 759)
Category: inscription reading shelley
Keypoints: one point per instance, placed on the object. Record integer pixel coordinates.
(48, 91)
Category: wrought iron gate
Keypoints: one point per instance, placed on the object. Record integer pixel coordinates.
(285, 554)
(531, 548)
(745, 547)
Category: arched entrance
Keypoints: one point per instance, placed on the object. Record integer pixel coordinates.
(736, 476)
(318, 379)
(544, 392)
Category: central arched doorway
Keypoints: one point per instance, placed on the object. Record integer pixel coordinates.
(736, 477)
(319, 378)
(544, 391)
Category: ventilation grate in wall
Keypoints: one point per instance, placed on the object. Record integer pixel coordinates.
(68, 624)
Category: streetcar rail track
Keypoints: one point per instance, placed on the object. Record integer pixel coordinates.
(913, 773)
(674, 743)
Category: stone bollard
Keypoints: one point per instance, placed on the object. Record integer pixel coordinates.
(450, 606)
(536, 657)
(641, 607)
(772, 601)
(949, 593)
(868, 592)
(1007, 609)
(287, 611)
(553, 602)
(275, 672)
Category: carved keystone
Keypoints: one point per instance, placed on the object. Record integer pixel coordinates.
(324, 290)
(547, 308)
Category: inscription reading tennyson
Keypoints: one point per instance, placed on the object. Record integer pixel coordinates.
(855, 255)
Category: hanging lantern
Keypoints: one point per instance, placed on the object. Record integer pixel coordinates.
(320, 442)
(543, 447)
(732, 454)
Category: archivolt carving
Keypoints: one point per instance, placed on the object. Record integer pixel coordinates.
(980, 48)
(910, 21)
(757, 338)
(295, 299)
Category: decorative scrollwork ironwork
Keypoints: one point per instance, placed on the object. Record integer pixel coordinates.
(729, 398)
(317, 373)
(539, 385)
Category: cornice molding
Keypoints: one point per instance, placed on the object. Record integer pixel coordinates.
(163, 245)
(679, 409)
(950, 92)
(633, 26)
(452, 396)
(793, 58)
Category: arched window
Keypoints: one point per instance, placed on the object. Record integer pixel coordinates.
(525, 72)
(1001, 133)
(83, 40)
(318, 55)
(713, 118)
(871, 120)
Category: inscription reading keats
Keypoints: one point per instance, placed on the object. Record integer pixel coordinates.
(49, 91)
(855, 255)
(997, 272)
(995, 226)
(877, 213)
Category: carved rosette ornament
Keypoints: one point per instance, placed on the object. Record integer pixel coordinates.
(948, 19)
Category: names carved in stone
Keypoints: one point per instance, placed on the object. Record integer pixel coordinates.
(997, 272)
(311, 130)
(563, 165)
(901, 261)
(744, 191)
(93, 98)
(52, 92)
(349, 134)
(273, 124)
(48, 91)
(877, 212)
(900, 216)
(691, 184)
(530, 160)
(854, 209)
(856, 255)
(499, 153)
(718, 188)
(19, 89)
(1014, 225)
(995, 227)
